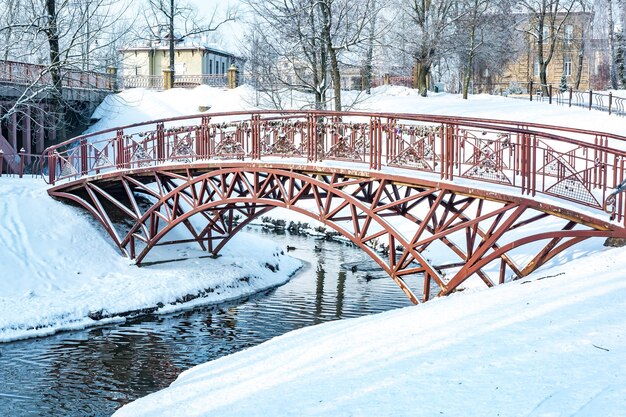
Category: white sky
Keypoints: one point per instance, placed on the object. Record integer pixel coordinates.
(229, 34)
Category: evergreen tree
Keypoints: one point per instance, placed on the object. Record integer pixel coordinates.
(563, 83)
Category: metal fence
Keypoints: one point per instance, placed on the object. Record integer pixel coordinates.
(22, 73)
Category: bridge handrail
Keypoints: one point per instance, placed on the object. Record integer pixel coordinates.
(26, 73)
(419, 117)
(535, 157)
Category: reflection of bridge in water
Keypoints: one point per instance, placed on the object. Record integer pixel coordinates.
(433, 200)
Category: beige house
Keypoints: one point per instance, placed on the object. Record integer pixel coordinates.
(195, 62)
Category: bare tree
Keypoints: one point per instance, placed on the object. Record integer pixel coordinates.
(63, 35)
(546, 21)
(432, 22)
(181, 20)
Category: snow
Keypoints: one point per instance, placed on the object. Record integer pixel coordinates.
(550, 345)
(58, 268)
(540, 347)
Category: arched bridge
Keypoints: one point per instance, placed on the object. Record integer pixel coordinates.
(434, 200)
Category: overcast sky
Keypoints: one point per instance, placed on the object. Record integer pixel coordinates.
(231, 33)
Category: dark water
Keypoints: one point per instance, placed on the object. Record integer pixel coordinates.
(95, 371)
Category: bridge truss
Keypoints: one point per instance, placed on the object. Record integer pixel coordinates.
(435, 201)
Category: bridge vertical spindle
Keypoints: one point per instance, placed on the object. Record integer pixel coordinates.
(533, 171)
(1, 161)
(84, 168)
(256, 136)
(119, 149)
(160, 142)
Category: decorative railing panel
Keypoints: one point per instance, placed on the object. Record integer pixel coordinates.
(579, 166)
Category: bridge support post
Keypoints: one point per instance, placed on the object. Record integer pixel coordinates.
(27, 131)
(39, 142)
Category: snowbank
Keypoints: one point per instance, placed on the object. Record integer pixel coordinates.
(540, 347)
(60, 271)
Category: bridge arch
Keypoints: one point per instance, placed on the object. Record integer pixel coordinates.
(362, 207)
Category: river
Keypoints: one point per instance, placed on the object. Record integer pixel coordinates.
(95, 371)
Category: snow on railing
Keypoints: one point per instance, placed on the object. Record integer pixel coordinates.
(580, 166)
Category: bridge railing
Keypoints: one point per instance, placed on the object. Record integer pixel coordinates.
(579, 166)
(25, 74)
(20, 164)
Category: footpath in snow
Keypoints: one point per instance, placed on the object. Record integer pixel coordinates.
(59, 270)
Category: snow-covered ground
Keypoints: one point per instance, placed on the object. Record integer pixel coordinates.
(548, 347)
(60, 271)
(540, 347)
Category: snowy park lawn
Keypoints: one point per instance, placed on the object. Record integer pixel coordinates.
(553, 344)
(59, 270)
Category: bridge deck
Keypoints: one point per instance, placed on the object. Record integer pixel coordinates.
(417, 186)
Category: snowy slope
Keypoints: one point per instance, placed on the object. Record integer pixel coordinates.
(57, 268)
(540, 347)
(551, 345)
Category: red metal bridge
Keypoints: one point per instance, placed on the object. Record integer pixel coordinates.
(434, 200)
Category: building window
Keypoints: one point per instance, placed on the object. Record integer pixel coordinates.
(536, 67)
(210, 67)
(568, 35)
(567, 66)
(223, 68)
(546, 34)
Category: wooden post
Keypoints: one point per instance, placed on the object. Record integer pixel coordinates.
(530, 91)
(610, 101)
(232, 76)
(590, 98)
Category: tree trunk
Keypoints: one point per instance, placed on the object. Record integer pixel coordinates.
(332, 54)
(612, 64)
(422, 78)
(172, 42)
(470, 56)
(369, 56)
(56, 99)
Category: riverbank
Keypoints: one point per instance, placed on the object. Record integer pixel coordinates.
(61, 272)
(551, 344)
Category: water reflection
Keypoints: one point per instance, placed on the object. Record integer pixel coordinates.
(94, 372)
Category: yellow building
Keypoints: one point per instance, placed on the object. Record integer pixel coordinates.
(570, 58)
